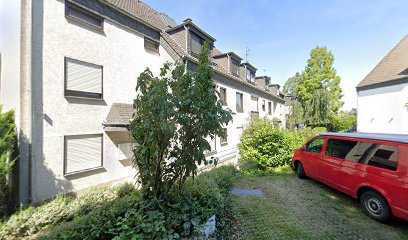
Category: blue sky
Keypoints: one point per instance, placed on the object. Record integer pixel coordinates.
(280, 34)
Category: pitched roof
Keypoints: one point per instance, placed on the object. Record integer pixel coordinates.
(119, 115)
(234, 55)
(189, 22)
(144, 12)
(391, 69)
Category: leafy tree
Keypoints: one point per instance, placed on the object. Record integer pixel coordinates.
(289, 88)
(8, 141)
(296, 115)
(344, 121)
(319, 80)
(175, 115)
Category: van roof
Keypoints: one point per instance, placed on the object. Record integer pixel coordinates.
(403, 138)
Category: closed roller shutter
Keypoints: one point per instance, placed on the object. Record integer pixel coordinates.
(82, 77)
(83, 152)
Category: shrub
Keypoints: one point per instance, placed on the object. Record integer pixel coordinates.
(266, 146)
(8, 141)
(130, 217)
(343, 121)
(176, 114)
(31, 220)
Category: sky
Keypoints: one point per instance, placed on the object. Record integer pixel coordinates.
(280, 34)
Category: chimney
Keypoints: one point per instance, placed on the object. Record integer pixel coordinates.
(274, 89)
(262, 82)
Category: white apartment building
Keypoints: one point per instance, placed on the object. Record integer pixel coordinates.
(383, 94)
(78, 63)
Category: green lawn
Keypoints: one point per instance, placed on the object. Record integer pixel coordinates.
(304, 209)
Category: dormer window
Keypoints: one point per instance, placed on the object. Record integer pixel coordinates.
(250, 75)
(235, 67)
(196, 44)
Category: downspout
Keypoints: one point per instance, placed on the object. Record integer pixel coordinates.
(25, 129)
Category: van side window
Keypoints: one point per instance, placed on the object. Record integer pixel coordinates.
(343, 149)
(315, 146)
(381, 156)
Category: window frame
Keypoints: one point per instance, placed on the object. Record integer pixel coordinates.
(224, 98)
(241, 98)
(312, 140)
(396, 151)
(156, 44)
(224, 139)
(369, 141)
(71, 6)
(237, 65)
(66, 137)
(269, 108)
(202, 41)
(81, 94)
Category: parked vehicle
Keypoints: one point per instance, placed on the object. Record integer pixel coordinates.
(372, 168)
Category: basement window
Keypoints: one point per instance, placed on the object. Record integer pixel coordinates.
(83, 16)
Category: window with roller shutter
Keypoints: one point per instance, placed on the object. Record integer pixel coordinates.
(82, 153)
(83, 79)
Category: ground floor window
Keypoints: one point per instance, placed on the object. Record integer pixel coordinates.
(82, 153)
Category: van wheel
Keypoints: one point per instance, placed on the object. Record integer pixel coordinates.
(300, 172)
(375, 206)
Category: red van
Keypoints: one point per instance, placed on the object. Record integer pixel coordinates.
(372, 168)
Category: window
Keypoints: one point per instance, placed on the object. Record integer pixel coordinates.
(376, 155)
(151, 45)
(263, 105)
(82, 153)
(269, 108)
(224, 137)
(275, 105)
(80, 15)
(250, 76)
(234, 67)
(381, 156)
(315, 146)
(239, 102)
(341, 149)
(223, 96)
(255, 102)
(83, 79)
(196, 43)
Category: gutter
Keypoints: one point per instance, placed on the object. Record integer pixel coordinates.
(130, 15)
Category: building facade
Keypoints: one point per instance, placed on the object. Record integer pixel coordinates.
(79, 63)
(382, 105)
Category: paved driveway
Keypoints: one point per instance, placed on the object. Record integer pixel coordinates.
(291, 208)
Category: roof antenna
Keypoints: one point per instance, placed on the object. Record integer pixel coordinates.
(247, 50)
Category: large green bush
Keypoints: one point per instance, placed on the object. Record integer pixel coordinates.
(32, 220)
(123, 214)
(264, 145)
(8, 141)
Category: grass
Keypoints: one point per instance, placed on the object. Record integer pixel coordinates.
(304, 209)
